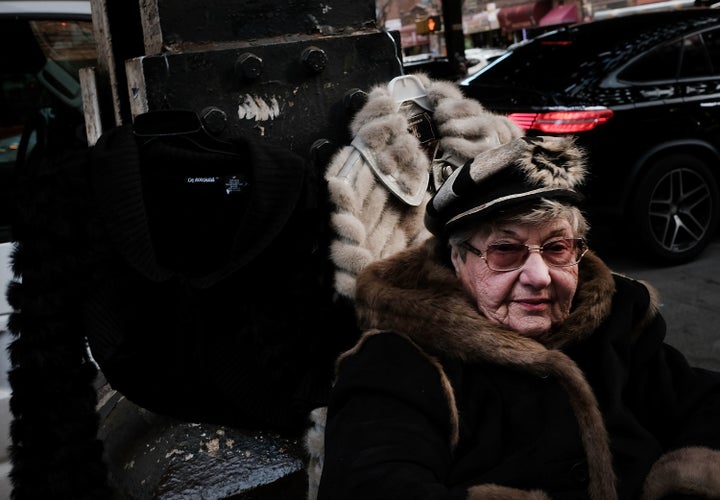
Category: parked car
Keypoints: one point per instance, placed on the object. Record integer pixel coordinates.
(642, 95)
(42, 47)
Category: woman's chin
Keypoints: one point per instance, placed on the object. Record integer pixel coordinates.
(533, 327)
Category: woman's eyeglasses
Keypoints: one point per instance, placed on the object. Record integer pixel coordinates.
(502, 257)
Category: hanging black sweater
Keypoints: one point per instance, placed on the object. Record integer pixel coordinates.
(199, 279)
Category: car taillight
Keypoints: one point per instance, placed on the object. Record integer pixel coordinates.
(562, 122)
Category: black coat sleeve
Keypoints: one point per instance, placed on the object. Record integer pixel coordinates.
(676, 402)
(388, 428)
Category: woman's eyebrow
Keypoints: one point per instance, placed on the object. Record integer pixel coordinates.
(504, 232)
(557, 232)
(510, 233)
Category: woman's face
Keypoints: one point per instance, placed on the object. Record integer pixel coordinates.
(530, 300)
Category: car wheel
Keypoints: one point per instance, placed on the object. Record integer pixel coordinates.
(676, 209)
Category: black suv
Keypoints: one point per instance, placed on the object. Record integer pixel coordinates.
(642, 95)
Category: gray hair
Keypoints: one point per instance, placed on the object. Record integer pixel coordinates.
(543, 212)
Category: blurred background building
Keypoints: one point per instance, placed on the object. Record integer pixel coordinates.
(499, 23)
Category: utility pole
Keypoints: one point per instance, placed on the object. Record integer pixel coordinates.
(454, 37)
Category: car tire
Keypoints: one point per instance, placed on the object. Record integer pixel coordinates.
(676, 209)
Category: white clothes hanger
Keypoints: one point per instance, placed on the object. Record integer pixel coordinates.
(406, 88)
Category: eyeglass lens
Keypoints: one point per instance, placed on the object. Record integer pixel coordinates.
(559, 253)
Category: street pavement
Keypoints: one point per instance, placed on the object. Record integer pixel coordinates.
(690, 301)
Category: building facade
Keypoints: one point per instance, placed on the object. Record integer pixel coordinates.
(500, 23)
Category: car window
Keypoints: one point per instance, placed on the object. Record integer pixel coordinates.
(39, 79)
(695, 61)
(712, 45)
(692, 57)
(543, 66)
(658, 64)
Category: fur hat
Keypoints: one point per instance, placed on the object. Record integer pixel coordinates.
(522, 170)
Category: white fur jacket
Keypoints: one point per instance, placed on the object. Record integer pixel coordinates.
(380, 183)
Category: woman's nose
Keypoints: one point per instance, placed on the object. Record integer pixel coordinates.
(535, 272)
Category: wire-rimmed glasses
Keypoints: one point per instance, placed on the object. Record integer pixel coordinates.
(558, 252)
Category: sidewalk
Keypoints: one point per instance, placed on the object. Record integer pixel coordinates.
(690, 302)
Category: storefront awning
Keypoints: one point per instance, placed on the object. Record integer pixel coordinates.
(526, 15)
(481, 21)
(562, 14)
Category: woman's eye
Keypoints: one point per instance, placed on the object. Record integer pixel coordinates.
(507, 247)
(556, 247)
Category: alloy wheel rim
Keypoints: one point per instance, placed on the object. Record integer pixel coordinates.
(680, 210)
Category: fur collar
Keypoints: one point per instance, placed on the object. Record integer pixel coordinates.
(413, 293)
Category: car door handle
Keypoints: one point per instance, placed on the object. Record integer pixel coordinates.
(658, 92)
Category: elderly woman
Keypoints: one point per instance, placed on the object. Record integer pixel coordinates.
(502, 359)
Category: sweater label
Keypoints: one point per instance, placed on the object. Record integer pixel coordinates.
(231, 183)
(201, 180)
(234, 184)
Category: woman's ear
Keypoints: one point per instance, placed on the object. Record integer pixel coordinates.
(456, 259)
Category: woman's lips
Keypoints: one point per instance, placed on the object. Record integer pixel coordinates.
(533, 304)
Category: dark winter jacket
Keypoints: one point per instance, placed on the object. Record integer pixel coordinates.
(437, 402)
